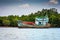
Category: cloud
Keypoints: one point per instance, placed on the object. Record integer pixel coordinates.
(25, 5)
(53, 1)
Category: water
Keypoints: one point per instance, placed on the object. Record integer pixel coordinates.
(29, 34)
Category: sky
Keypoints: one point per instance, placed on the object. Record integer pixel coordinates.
(25, 7)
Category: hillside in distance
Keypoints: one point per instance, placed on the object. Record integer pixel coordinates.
(54, 18)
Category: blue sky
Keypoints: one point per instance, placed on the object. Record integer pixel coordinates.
(25, 7)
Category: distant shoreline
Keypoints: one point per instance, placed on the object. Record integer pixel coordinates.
(26, 27)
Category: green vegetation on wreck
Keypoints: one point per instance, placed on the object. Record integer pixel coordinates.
(54, 18)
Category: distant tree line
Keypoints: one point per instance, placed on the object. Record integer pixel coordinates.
(54, 18)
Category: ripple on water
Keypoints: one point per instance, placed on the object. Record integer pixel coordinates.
(29, 34)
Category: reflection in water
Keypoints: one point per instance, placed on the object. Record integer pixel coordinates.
(29, 34)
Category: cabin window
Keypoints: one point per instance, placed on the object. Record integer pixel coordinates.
(39, 23)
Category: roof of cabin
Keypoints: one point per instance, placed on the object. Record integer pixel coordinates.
(46, 16)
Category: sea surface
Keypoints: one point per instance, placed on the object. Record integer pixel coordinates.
(29, 34)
